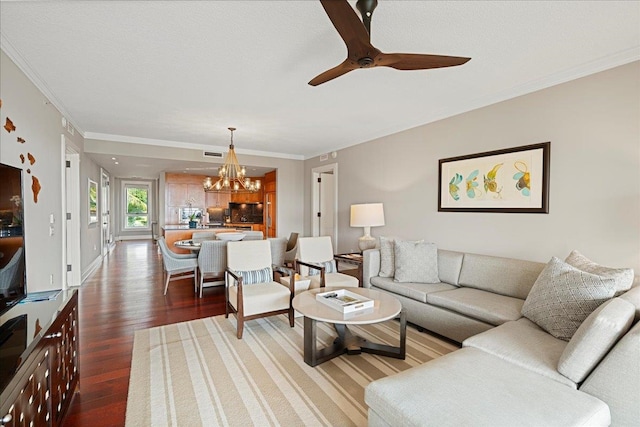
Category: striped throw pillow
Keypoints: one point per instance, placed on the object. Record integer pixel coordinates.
(250, 277)
(329, 267)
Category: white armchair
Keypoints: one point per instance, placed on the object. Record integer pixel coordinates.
(315, 259)
(250, 291)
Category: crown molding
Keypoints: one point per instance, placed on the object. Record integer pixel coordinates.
(37, 81)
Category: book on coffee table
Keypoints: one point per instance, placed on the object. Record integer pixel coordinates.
(344, 301)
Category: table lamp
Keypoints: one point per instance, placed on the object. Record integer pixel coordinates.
(367, 215)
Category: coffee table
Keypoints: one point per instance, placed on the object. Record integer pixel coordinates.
(386, 307)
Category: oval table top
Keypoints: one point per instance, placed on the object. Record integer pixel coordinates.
(385, 307)
(187, 244)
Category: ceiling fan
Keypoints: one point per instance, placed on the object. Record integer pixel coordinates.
(360, 51)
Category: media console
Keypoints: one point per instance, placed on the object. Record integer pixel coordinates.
(42, 388)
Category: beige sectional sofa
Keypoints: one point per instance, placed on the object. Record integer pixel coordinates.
(509, 371)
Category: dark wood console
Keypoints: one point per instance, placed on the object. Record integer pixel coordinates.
(41, 391)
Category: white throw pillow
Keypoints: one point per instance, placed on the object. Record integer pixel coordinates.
(387, 262)
(563, 296)
(416, 262)
(622, 276)
(594, 338)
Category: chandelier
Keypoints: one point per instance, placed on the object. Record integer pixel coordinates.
(231, 176)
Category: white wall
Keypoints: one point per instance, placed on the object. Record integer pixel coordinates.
(593, 124)
(39, 123)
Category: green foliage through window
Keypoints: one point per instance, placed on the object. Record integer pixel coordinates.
(137, 210)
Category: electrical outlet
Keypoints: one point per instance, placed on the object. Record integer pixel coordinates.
(51, 230)
(51, 279)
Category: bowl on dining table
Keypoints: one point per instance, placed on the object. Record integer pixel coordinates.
(231, 236)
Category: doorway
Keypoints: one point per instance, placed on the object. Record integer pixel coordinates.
(325, 202)
(71, 213)
(105, 212)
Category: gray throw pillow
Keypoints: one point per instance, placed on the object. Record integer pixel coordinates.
(387, 262)
(416, 262)
(622, 276)
(250, 277)
(329, 267)
(563, 296)
(594, 338)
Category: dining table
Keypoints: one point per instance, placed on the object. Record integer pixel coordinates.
(187, 244)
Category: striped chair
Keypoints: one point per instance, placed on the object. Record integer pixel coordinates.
(250, 291)
(180, 266)
(212, 262)
(201, 236)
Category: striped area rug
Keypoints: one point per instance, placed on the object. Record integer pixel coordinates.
(198, 373)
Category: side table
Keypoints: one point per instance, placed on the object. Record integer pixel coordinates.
(354, 258)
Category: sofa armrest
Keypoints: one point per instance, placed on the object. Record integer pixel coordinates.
(370, 266)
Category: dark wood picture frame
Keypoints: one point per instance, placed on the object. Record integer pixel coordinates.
(512, 180)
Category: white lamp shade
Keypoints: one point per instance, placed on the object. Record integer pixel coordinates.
(367, 215)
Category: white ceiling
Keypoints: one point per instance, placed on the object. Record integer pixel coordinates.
(183, 72)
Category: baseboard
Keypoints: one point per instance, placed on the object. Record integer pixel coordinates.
(135, 237)
(91, 269)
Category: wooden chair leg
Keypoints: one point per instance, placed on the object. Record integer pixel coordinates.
(240, 327)
(292, 319)
(166, 286)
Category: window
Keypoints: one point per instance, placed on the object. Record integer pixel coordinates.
(136, 206)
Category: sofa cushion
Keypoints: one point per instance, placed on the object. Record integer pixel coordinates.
(387, 258)
(416, 262)
(505, 276)
(449, 265)
(622, 276)
(416, 291)
(472, 388)
(524, 344)
(482, 305)
(615, 380)
(633, 296)
(563, 296)
(595, 337)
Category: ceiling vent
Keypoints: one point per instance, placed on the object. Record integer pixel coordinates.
(212, 154)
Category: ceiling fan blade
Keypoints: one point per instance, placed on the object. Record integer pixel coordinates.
(416, 61)
(349, 26)
(331, 74)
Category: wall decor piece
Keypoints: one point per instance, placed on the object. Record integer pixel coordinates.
(93, 202)
(514, 180)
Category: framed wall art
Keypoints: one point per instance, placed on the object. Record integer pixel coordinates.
(93, 202)
(514, 180)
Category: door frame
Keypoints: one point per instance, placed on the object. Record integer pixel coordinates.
(105, 210)
(315, 204)
(71, 224)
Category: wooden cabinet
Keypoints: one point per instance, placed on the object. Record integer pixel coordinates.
(270, 200)
(176, 194)
(195, 193)
(217, 200)
(247, 197)
(41, 391)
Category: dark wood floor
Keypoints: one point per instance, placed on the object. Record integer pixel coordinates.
(125, 294)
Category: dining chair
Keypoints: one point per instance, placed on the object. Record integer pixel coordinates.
(177, 266)
(315, 259)
(253, 235)
(291, 249)
(250, 291)
(212, 262)
(278, 246)
(201, 236)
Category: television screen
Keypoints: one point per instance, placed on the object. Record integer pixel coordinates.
(12, 255)
(13, 342)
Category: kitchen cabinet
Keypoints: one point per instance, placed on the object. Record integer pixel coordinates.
(41, 391)
(247, 197)
(270, 200)
(217, 200)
